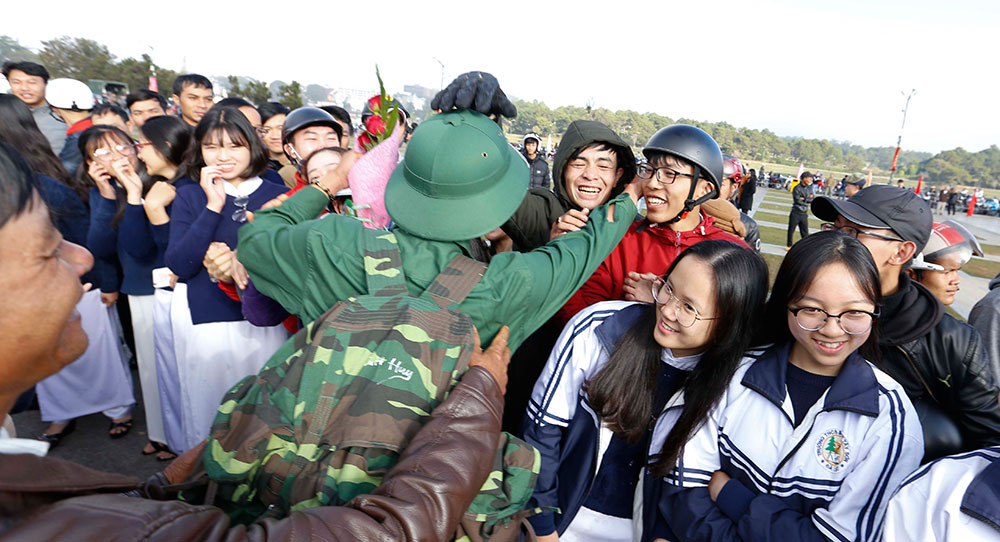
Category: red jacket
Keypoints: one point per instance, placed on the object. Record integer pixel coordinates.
(646, 248)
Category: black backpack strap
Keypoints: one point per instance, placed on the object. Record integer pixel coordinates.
(458, 278)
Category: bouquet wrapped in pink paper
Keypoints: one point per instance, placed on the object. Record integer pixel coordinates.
(379, 140)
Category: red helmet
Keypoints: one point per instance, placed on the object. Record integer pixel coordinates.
(732, 169)
(948, 237)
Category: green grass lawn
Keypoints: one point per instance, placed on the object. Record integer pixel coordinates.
(783, 219)
(992, 250)
(773, 263)
(774, 236)
(979, 267)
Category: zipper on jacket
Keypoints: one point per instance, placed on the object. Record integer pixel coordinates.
(788, 457)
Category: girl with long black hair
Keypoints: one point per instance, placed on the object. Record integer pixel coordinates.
(227, 158)
(118, 231)
(809, 440)
(616, 366)
(142, 234)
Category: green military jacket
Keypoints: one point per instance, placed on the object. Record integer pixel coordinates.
(308, 264)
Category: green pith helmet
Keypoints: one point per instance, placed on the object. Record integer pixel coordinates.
(459, 179)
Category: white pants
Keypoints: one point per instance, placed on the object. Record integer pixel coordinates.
(141, 308)
(98, 381)
(592, 526)
(217, 356)
(167, 383)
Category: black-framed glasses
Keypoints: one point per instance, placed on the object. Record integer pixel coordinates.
(664, 175)
(240, 214)
(854, 232)
(853, 322)
(685, 313)
(105, 155)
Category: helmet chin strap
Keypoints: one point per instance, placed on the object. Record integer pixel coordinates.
(690, 203)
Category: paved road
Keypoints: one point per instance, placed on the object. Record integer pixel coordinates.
(90, 445)
(986, 228)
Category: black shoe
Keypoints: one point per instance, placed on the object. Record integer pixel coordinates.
(54, 438)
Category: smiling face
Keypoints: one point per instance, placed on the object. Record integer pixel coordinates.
(109, 148)
(233, 157)
(693, 284)
(29, 88)
(824, 351)
(590, 177)
(39, 275)
(307, 140)
(664, 201)
(320, 163)
(156, 164)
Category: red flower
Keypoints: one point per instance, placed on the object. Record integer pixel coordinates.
(375, 125)
(365, 141)
(375, 102)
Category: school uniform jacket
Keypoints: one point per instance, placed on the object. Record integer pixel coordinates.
(830, 478)
(560, 422)
(956, 498)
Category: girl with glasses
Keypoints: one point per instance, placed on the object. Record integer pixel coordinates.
(809, 440)
(226, 159)
(143, 233)
(618, 367)
(99, 381)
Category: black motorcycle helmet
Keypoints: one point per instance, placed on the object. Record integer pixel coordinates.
(392, 101)
(695, 146)
(308, 116)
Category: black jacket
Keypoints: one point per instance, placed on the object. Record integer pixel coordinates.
(531, 224)
(944, 368)
(752, 237)
(539, 171)
(802, 197)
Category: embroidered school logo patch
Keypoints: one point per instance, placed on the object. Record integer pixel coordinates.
(833, 451)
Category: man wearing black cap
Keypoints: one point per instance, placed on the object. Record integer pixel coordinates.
(940, 361)
(853, 185)
(802, 196)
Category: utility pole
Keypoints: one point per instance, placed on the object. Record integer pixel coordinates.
(442, 73)
(899, 141)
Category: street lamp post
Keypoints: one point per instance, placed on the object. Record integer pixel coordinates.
(442, 72)
(899, 141)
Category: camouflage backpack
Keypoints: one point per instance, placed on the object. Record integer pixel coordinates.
(331, 411)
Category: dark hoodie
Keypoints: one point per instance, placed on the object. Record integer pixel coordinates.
(909, 313)
(531, 224)
(985, 317)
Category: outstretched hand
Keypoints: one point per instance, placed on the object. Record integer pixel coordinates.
(639, 286)
(495, 358)
(479, 91)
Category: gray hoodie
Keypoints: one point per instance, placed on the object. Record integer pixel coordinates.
(985, 317)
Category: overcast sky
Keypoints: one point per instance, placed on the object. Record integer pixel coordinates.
(799, 68)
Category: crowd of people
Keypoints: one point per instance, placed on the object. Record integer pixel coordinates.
(666, 393)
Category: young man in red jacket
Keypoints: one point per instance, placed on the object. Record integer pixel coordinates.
(684, 170)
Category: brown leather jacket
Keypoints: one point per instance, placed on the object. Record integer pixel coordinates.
(421, 498)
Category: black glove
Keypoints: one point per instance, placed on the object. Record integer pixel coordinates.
(479, 91)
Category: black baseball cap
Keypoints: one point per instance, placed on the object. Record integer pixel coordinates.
(882, 207)
(857, 181)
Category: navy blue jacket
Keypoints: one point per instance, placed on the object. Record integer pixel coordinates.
(569, 447)
(72, 219)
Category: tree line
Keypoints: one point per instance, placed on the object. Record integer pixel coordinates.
(86, 59)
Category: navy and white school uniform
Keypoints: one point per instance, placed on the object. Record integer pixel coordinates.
(829, 477)
(221, 347)
(99, 380)
(955, 498)
(164, 345)
(587, 472)
(131, 243)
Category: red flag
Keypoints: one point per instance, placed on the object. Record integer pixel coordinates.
(920, 180)
(802, 168)
(152, 84)
(894, 157)
(868, 181)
